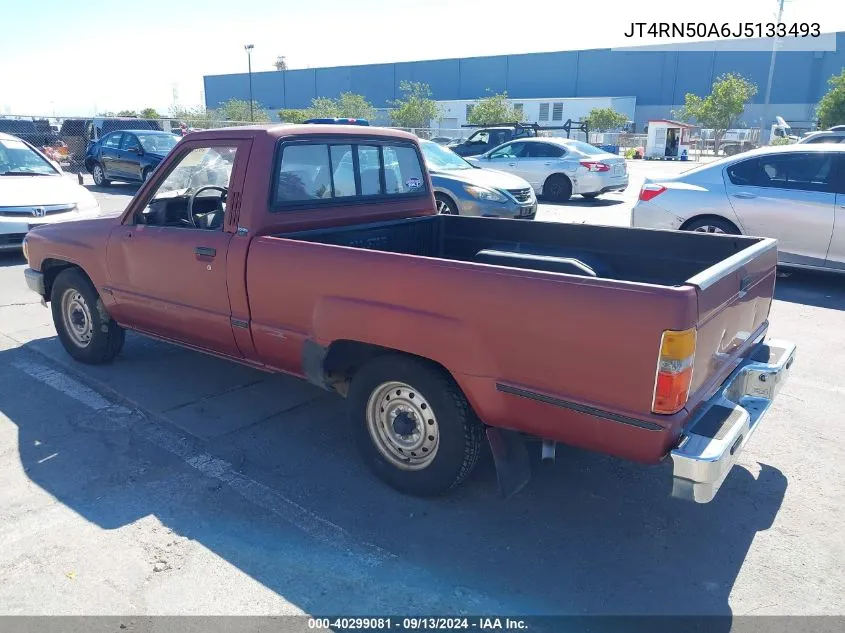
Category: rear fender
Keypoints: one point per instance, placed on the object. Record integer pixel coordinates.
(444, 340)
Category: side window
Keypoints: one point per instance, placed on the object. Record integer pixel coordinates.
(479, 137)
(802, 172)
(313, 172)
(544, 150)
(129, 140)
(112, 141)
(343, 171)
(200, 167)
(511, 150)
(304, 173)
(402, 170)
(369, 163)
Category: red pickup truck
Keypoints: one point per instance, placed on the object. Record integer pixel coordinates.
(316, 250)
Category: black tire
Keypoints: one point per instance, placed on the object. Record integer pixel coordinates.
(590, 196)
(106, 336)
(445, 205)
(558, 188)
(459, 433)
(704, 223)
(99, 175)
(146, 174)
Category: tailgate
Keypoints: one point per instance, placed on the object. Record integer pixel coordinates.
(734, 298)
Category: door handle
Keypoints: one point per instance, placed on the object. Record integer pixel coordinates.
(512, 164)
(205, 251)
(547, 164)
(744, 196)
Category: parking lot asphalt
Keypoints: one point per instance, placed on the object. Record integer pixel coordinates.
(174, 483)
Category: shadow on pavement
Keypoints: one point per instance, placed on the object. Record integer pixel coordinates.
(115, 188)
(820, 289)
(590, 535)
(578, 201)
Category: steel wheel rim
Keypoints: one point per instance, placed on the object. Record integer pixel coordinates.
(77, 319)
(402, 425)
(708, 228)
(443, 208)
(98, 174)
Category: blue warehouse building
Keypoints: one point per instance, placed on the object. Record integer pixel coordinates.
(657, 79)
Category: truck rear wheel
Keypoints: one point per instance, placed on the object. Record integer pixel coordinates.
(84, 327)
(413, 425)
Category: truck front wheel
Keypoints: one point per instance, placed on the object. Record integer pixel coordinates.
(86, 330)
(413, 425)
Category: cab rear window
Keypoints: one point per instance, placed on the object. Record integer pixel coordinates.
(318, 173)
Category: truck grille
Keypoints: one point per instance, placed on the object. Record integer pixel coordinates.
(12, 239)
(521, 195)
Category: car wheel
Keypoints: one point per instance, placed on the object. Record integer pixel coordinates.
(99, 176)
(85, 329)
(558, 188)
(445, 205)
(145, 175)
(590, 196)
(711, 225)
(413, 425)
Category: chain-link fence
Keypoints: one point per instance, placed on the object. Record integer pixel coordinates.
(66, 139)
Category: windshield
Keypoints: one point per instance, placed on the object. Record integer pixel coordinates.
(17, 158)
(585, 148)
(157, 143)
(438, 157)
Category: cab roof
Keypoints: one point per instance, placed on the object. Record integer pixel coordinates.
(305, 129)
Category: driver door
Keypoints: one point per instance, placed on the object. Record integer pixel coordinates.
(169, 277)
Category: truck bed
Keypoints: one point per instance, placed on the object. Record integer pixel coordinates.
(664, 258)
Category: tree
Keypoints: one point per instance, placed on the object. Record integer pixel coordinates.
(493, 109)
(150, 113)
(197, 117)
(293, 116)
(831, 109)
(605, 119)
(721, 109)
(354, 106)
(323, 107)
(416, 108)
(238, 110)
(127, 113)
(280, 63)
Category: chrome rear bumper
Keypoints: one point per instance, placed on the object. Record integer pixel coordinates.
(711, 444)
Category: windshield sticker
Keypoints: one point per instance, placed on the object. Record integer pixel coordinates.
(413, 183)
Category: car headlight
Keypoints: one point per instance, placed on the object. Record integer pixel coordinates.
(88, 206)
(491, 195)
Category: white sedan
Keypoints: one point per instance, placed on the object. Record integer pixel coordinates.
(557, 168)
(34, 191)
(793, 193)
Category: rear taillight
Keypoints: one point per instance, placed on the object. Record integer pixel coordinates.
(594, 166)
(674, 371)
(649, 192)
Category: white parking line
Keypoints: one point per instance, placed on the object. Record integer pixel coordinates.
(68, 386)
(257, 493)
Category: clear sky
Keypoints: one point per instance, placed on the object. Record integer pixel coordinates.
(70, 57)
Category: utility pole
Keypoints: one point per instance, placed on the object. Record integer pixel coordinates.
(248, 48)
(771, 77)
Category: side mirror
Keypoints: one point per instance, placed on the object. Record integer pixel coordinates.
(135, 150)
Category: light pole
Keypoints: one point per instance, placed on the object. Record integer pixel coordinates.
(771, 75)
(248, 48)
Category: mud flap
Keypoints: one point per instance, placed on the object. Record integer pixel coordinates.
(510, 455)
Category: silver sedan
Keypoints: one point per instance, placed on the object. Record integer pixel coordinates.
(557, 168)
(794, 193)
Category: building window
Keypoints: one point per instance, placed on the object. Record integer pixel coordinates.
(518, 111)
(469, 110)
(544, 111)
(557, 112)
